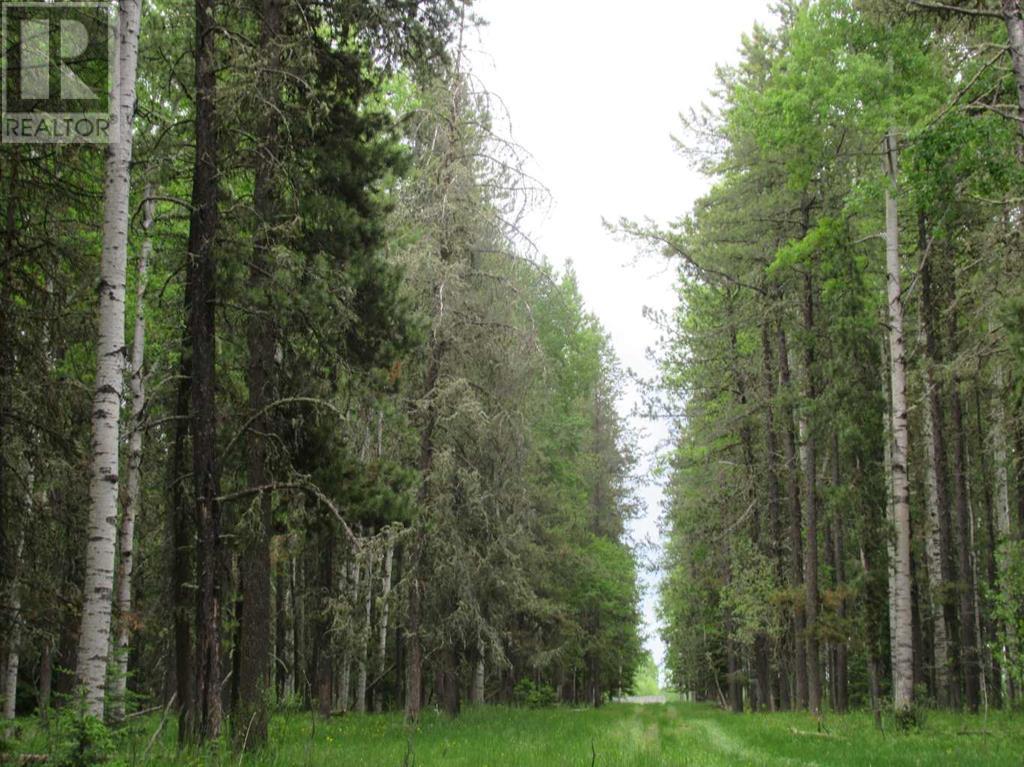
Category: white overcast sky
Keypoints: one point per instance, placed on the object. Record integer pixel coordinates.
(593, 91)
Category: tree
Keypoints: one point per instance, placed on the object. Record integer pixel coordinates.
(126, 531)
(94, 635)
(903, 658)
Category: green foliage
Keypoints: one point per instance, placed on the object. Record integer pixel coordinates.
(82, 740)
(1008, 598)
(783, 256)
(527, 693)
(645, 681)
(749, 595)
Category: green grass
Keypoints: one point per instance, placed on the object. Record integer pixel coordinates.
(617, 735)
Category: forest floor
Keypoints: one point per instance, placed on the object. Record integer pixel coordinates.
(617, 735)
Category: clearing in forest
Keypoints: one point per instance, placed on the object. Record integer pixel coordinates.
(616, 735)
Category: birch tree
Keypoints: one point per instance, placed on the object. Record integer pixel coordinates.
(12, 661)
(384, 613)
(903, 653)
(126, 533)
(94, 633)
(363, 637)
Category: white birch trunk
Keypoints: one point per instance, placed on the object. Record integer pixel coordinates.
(903, 654)
(364, 637)
(94, 635)
(382, 628)
(14, 640)
(13, 658)
(352, 589)
(126, 535)
(476, 693)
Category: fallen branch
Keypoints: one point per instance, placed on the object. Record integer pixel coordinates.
(160, 727)
(143, 712)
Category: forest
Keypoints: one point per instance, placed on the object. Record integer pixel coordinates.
(846, 497)
(306, 447)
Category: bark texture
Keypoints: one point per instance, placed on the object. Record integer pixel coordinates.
(967, 586)
(252, 716)
(13, 660)
(126, 534)
(207, 713)
(94, 631)
(382, 627)
(902, 635)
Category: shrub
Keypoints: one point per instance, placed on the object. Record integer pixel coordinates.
(531, 695)
(82, 740)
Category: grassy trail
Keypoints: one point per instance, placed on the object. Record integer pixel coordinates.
(618, 735)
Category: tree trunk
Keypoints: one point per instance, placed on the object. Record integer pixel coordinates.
(126, 535)
(201, 276)
(1002, 511)
(967, 590)
(323, 623)
(10, 689)
(989, 624)
(918, 632)
(933, 558)
(451, 697)
(890, 519)
(94, 633)
(435, 351)
(382, 637)
(250, 729)
(280, 662)
(352, 576)
(903, 655)
(796, 556)
(364, 637)
(774, 492)
(181, 557)
(810, 505)
(414, 655)
(874, 651)
(477, 691)
(734, 685)
(298, 635)
(8, 334)
(1012, 14)
(938, 543)
(840, 700)
(45, 679)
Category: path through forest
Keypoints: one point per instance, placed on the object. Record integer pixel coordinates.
(643, 700)
(615, 735)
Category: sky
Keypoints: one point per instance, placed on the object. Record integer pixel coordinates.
(593, 92)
